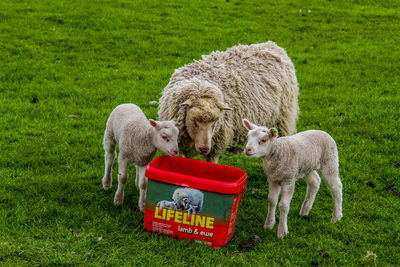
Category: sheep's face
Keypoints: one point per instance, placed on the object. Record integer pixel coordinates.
(258, 139)
(166, 136)
(201, 117)
(180, 199)
(200, 122)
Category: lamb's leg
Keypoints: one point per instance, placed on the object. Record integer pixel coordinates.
(109, 156)
(335, 185)
(284, 206)
(122, 178)
(273, 195)
(141, 170)
(313, 181)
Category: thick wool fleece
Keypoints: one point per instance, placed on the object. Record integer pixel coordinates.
(257, 81)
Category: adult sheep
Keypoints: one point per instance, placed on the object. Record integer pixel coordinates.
(210, 97)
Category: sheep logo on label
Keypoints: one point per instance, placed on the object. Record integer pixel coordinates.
(184, 199)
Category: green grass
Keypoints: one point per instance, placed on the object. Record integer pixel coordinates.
(86, 57)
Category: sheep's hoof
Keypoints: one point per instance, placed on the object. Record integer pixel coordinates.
(118, 200)
(282, 235)
(106, 183)
(304, 212)
(269, 225)
(282, 232)
(142, 206)
(117, 203)
(336, 218)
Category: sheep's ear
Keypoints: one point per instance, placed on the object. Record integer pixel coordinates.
(223, 106)
(273, 132)
(187, 103)
(249, 126)
(153, 123)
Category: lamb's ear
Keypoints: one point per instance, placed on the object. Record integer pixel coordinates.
(249, 126)
(153, 123)
(187, 103)
(273, 132)
(223, 106)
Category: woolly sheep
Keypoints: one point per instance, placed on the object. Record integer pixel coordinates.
(138, 140)
(188, 199)
(287, 159)
(210, 97)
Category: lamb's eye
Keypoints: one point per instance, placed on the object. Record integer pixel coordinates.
(165, 138)
(262, 141)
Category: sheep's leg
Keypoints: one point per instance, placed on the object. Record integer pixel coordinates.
(286, 127)
(273, 195)
(284, 206)
(213, 158)
(313, 181)
(109, 156)
(122, 178)
(335, 185)
(141, 170)
(137, 179)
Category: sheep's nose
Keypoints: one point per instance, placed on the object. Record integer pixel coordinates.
(204, 150)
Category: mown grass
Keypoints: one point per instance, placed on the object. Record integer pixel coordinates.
(80, 59)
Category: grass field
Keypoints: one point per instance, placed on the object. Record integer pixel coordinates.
(64, 65)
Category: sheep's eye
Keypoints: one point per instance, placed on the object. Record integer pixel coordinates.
(195, 124)
(262, 141)
(164, 137)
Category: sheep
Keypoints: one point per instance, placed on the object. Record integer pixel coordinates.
(188, 199)
(138, 140)
(210, 97)
(287, 159)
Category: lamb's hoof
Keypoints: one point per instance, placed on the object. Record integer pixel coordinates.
(282, 235)
(304, 213)
(336, 218)
(142, 206)
(282, 232)
(269, 225)
(118, 201)
(106, 184)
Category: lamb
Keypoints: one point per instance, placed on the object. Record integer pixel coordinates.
(210, 97)
(290, 158)
(138, 140)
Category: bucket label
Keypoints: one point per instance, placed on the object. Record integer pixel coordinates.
(190, 213)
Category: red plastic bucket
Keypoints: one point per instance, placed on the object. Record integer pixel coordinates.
(193, 199)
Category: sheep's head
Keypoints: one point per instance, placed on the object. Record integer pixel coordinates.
(258, 139)
(166, 136)
(201, 117)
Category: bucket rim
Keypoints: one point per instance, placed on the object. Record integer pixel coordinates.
(200, 183)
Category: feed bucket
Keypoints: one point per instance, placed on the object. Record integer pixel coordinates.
(193, 199)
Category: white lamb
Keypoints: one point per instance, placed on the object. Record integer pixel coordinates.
(138, 140)
(287, 159)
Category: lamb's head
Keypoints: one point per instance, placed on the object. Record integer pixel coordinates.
(259, 139)
(166, 136)
(201, 117)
